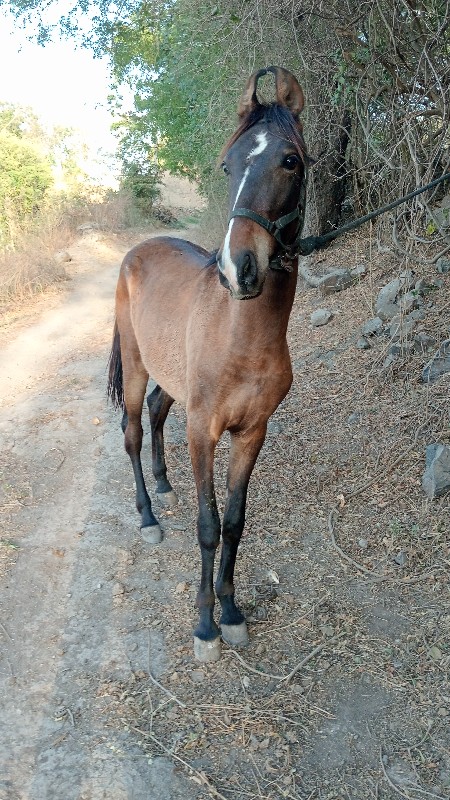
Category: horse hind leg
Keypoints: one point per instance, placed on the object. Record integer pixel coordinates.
(159, 403)
(135, 384)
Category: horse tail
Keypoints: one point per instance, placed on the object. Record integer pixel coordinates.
(115, 376)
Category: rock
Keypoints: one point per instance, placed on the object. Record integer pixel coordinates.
(336, 281)
(442, 217)
(320, 317)
(410, 301)
(400, 558)
(62, 257)
(436, 478)
(389, 292)
(359, 271)
(421, 285)
(418, 315)
(372, 326)
(85, 227)
(362, 343)
(363, 544)
(386, 306)
(423, 342)
(443, 265)
(401, 328)
(387, 310)
(439, 364)
(354, 417)
(275, 427)
(389, 361)
(401, 349)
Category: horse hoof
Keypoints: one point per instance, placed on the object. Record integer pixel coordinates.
(236, 635)
(152, 534)
(207, 651)
(167, 499)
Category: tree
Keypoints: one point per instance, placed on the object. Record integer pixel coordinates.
(25, 178)
(376, 79)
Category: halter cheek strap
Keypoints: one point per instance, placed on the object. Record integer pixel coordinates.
(275, 228)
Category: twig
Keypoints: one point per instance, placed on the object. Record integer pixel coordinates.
(286, 678)
(166, 691)
(341, 552)
(390, 782)
(200, 776)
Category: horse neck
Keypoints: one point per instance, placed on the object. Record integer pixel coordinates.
(265, 318)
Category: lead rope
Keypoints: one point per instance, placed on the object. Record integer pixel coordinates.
(310, 243)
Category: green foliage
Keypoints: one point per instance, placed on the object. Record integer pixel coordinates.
(25, 178)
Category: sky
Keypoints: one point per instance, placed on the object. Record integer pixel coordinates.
(62, 84)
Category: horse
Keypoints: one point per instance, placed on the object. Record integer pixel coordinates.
(211, 331)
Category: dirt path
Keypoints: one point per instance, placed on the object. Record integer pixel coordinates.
(60, 449)
(91, 616)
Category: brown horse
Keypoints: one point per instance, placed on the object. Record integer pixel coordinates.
(180, 319)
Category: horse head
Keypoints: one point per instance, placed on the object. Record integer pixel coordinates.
(266, 164)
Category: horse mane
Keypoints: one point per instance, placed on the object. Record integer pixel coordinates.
(283, 118)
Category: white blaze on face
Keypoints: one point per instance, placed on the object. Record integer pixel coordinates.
(227, 265)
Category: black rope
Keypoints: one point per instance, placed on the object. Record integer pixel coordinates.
(310, 243)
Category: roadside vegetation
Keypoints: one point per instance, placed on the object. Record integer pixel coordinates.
(377, 114)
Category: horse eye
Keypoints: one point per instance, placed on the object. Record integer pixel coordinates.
(291, 162)
(225, 168)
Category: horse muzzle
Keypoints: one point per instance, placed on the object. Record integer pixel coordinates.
(241, 276)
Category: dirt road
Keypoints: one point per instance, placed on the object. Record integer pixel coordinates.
(61, 447)
(91, 617)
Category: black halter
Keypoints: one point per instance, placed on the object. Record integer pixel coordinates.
(275, 228)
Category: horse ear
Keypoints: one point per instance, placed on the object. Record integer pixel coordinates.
(249, 100)
(289, 92)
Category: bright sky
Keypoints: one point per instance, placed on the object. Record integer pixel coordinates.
(62, 84)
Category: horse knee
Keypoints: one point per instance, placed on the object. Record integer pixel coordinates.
(208, 526)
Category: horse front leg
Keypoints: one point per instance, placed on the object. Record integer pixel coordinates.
(201, 445)
(245, 447)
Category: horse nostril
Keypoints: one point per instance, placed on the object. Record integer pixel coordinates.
(248, 271)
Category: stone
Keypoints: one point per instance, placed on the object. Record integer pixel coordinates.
(320, 317)
(418, 315)
(62, 257)
(354, 418)
(359, 271)
(363, 544)
(410, 301)
(421, 285)
(389, 292)
(362, 343)
(401, 349)
(387, 310)
(372, 326)
(436, 478)
(423, 342)
(443, 265)
(336, 281)
(439, 364)
(275, 427)
(401, 328)
(389, 361)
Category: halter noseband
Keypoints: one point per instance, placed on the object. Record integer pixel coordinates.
(275, 228)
